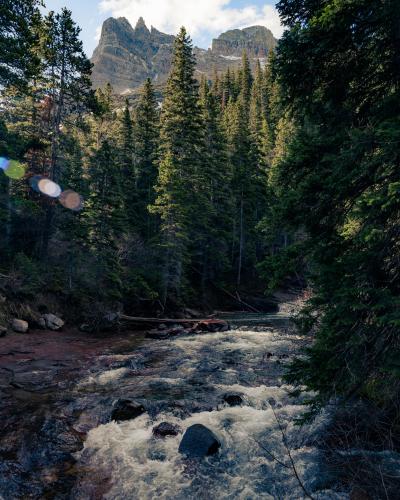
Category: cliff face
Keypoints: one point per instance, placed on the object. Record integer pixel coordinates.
(126, 56)
(256, 40)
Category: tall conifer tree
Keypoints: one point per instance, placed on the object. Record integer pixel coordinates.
(127, 165)
(147, 130)
(106, 218)
(180, 167)
(67, 88)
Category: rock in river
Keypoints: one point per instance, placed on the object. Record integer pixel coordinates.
(199, 442)
(124, 409)
(233, 399)
(211, 325)
(166, 429)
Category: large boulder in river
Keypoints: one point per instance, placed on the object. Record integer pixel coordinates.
(19, 325)
(124, 409)
(3, 331)
(198, 442)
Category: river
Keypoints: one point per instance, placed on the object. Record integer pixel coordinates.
(58, 440)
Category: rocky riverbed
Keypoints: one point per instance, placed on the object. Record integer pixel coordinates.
(60, 438)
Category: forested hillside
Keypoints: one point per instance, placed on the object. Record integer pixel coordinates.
(253, 179)
(169, 194)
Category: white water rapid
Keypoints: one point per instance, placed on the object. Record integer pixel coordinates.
(183, 381)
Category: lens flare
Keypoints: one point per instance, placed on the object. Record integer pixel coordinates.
(72, 200)
(34, 182)
(49, 188)
(4, 162)
(14, 170)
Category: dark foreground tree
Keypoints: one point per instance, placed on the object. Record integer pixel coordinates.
(338, 180)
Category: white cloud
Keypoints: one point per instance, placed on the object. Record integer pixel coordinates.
(202, 18)
(98, 33)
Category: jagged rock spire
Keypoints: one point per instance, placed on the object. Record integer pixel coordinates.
(141, 25)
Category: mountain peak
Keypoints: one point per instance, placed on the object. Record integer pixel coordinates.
(141, 25)
(257, 41)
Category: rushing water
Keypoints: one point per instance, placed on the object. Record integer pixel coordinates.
(183, 381)
(57, 440)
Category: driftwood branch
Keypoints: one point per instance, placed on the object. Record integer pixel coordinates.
(284, 440)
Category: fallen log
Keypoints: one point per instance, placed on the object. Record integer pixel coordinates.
(180, 326)
(163, 320)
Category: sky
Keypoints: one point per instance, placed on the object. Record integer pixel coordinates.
(204, 19)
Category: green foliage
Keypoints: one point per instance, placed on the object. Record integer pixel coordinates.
(19, 21)
(180, 174)
(146, 152)
(214, 225)
(279, 267)
(335, 177)
(29, 277)
(137, 285)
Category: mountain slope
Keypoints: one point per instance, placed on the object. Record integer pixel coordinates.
(126, 56)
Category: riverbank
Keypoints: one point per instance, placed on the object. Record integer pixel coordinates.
(38, 372)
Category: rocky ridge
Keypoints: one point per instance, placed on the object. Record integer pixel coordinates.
(126, 56)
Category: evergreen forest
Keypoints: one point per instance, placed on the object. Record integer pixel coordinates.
(206, 194)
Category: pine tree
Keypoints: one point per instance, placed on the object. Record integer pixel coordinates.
(216, 87)
(103, 123)
(28, 142)
(245, 79)
(67, 72)
(236, 119)
(26, 133)
(273, 108)
(19, 62)
(242, 164)
(105, 217)
(127, 164)
(180, 167)
(249, 152)
(338, 181)
(126, 142)
(147, 134)
(258, 125)
(70, 221)
(216, 210)
(67, 87)
(227, 88)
